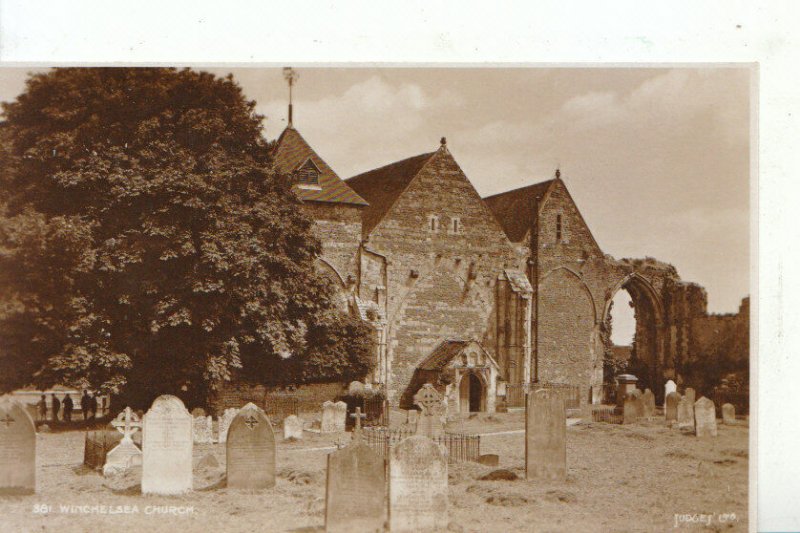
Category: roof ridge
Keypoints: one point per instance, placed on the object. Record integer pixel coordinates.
(384, 167)
(518, 189)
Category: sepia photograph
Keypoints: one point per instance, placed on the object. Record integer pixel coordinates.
(386, 298)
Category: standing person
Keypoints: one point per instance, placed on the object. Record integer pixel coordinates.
(93, 405)
(56, 408)
(85, 404)
(68, 405)
(42, 405)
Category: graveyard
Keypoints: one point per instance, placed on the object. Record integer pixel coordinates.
(618, 477)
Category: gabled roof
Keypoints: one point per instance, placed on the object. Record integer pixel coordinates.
(383, 186)
(514, 209)
(292, 151)
(447, 350)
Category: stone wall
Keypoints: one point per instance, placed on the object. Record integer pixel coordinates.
(338, 227)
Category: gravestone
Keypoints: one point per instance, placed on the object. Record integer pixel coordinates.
(125, 454)
(198, 411)
(167, 447)
(728, 414)
(637, 394)
(417, 486)
(433, 412)
(671, 406)
(355, 487)
(292, 427)
(202, 429)
(356, 388)
(224, 423)
(690, 393)
(413, 418)
(328, 418)
(340, 416)
(250, 450)
(685, 414)
(545, 436)
(649, 403)
(705, 418)
(17, 449)
(630, 410)
(669, 387)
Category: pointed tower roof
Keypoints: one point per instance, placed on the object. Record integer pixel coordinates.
(292, 152)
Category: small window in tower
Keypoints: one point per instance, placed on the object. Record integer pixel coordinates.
(455, 225)
(433, 223)
(558, 228)
(307, 175)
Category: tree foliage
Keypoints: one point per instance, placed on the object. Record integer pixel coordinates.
(146, 242)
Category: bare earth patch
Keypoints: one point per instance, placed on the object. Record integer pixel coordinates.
(620, 478)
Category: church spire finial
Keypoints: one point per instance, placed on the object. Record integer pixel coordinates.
(558, 173)
(290, 75)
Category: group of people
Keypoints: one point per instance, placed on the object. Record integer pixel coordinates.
(89, 407)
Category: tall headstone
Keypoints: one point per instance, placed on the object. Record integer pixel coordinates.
(545, 436)
(328, 417)
(638, 397)
(340, 416)
(167, 447)
(433, 412)
(728, 414)
(417, 486)
(671, 406)
(691, 394)
(202, 428)
(292, 427)
(649, 403)
(705, 418)
(224, 423)
(17, 449)
(626, 383)
(355, 487)
(250, 450)
(630, 409)
(125, 454)
(669, 387)
(685, 414)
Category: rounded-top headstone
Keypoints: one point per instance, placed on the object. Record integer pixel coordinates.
(17, 449)
(728, 414)
(250, 450)
(167, 447)
(705, 418)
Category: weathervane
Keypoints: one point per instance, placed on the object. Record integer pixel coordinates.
(290, 75)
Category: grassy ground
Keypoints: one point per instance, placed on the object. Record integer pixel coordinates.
(620, 478)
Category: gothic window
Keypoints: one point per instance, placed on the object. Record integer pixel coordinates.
(559, 228)
(455, 225)
(307, 175)
(433, 223)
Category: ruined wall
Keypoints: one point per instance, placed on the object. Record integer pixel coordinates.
(338, 227)
(440, 284)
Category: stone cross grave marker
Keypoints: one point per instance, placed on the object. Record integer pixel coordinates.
(328, 417)
(125, 454)
(250, 450)
(685, 414)
(431, 420)
(167, 447)
(671, 406)
(728, 414)
(705, 418)
(355, 488)
(691, 394)
(417, 486)
(358, 416)
(202, 429)
(224, 422)
(292, 427)
(649, 403)
(545, 436)
(17, 449)
(669, 387)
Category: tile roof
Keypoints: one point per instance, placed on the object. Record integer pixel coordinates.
(291, 151)
(382, 186)
(443, 354)
(514, 209)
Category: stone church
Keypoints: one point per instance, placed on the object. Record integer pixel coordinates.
(481, 296)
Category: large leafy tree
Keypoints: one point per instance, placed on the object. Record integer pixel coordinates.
(146, 243)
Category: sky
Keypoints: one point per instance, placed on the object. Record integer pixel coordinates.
(657, 159)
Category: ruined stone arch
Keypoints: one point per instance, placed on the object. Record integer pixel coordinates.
(342, 295)
(650, 335)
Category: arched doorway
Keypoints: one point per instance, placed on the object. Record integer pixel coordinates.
(635, 306)
(471, 394)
